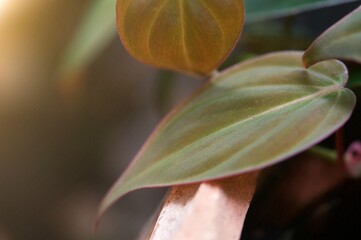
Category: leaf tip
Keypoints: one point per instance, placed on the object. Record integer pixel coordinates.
(305, 61)
(96, 226)
(99, 214)
(108, 201)
(308, 58)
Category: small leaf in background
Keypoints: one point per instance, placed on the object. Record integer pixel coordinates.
(187, 36)
(94, 33)
(342, 41)
(260, 10)
(250, 116)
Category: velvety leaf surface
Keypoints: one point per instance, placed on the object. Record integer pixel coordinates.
(257, 10)
(252, 115)
(188, 36)
(342, 40)
(94, 33)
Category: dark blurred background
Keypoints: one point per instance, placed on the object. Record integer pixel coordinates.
(75, 108)
(68, 128)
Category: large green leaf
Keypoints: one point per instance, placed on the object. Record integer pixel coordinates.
(188, 36)
(342, 40)
(250, 116)
(94, 33)
(258, 10)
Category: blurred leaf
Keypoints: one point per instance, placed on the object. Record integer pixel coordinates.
(258, 10)
(188, 36)
(250, 116)
(328, 154)
(94, 33)
(342, 40)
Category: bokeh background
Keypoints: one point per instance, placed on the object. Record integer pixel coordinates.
(75, 108)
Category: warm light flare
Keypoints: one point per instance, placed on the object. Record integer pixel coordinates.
(5, 8)
(2, 6)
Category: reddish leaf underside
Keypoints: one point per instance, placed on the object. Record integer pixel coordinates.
(193, 37)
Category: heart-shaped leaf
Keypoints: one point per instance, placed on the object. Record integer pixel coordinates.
(250, 116)
(258, 10)
(342, 41)
(188, 36)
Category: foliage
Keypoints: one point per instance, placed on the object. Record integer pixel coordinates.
(342, 41)
(250, 116)
(188, 36)
(258, 10)
(247, 117)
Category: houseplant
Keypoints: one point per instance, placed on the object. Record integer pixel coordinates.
(247, 117)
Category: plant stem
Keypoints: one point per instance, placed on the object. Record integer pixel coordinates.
(326, 153)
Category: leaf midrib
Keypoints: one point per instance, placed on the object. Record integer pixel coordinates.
(321, 93)
(154, 166)
(207, 101)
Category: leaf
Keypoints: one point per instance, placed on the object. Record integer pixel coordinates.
(188, 36)
(250, 116)
(260, 10)
(95, 32)
(342, 41)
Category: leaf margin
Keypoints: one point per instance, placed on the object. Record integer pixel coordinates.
(108, 202)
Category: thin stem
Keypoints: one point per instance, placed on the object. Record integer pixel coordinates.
(326, 153)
